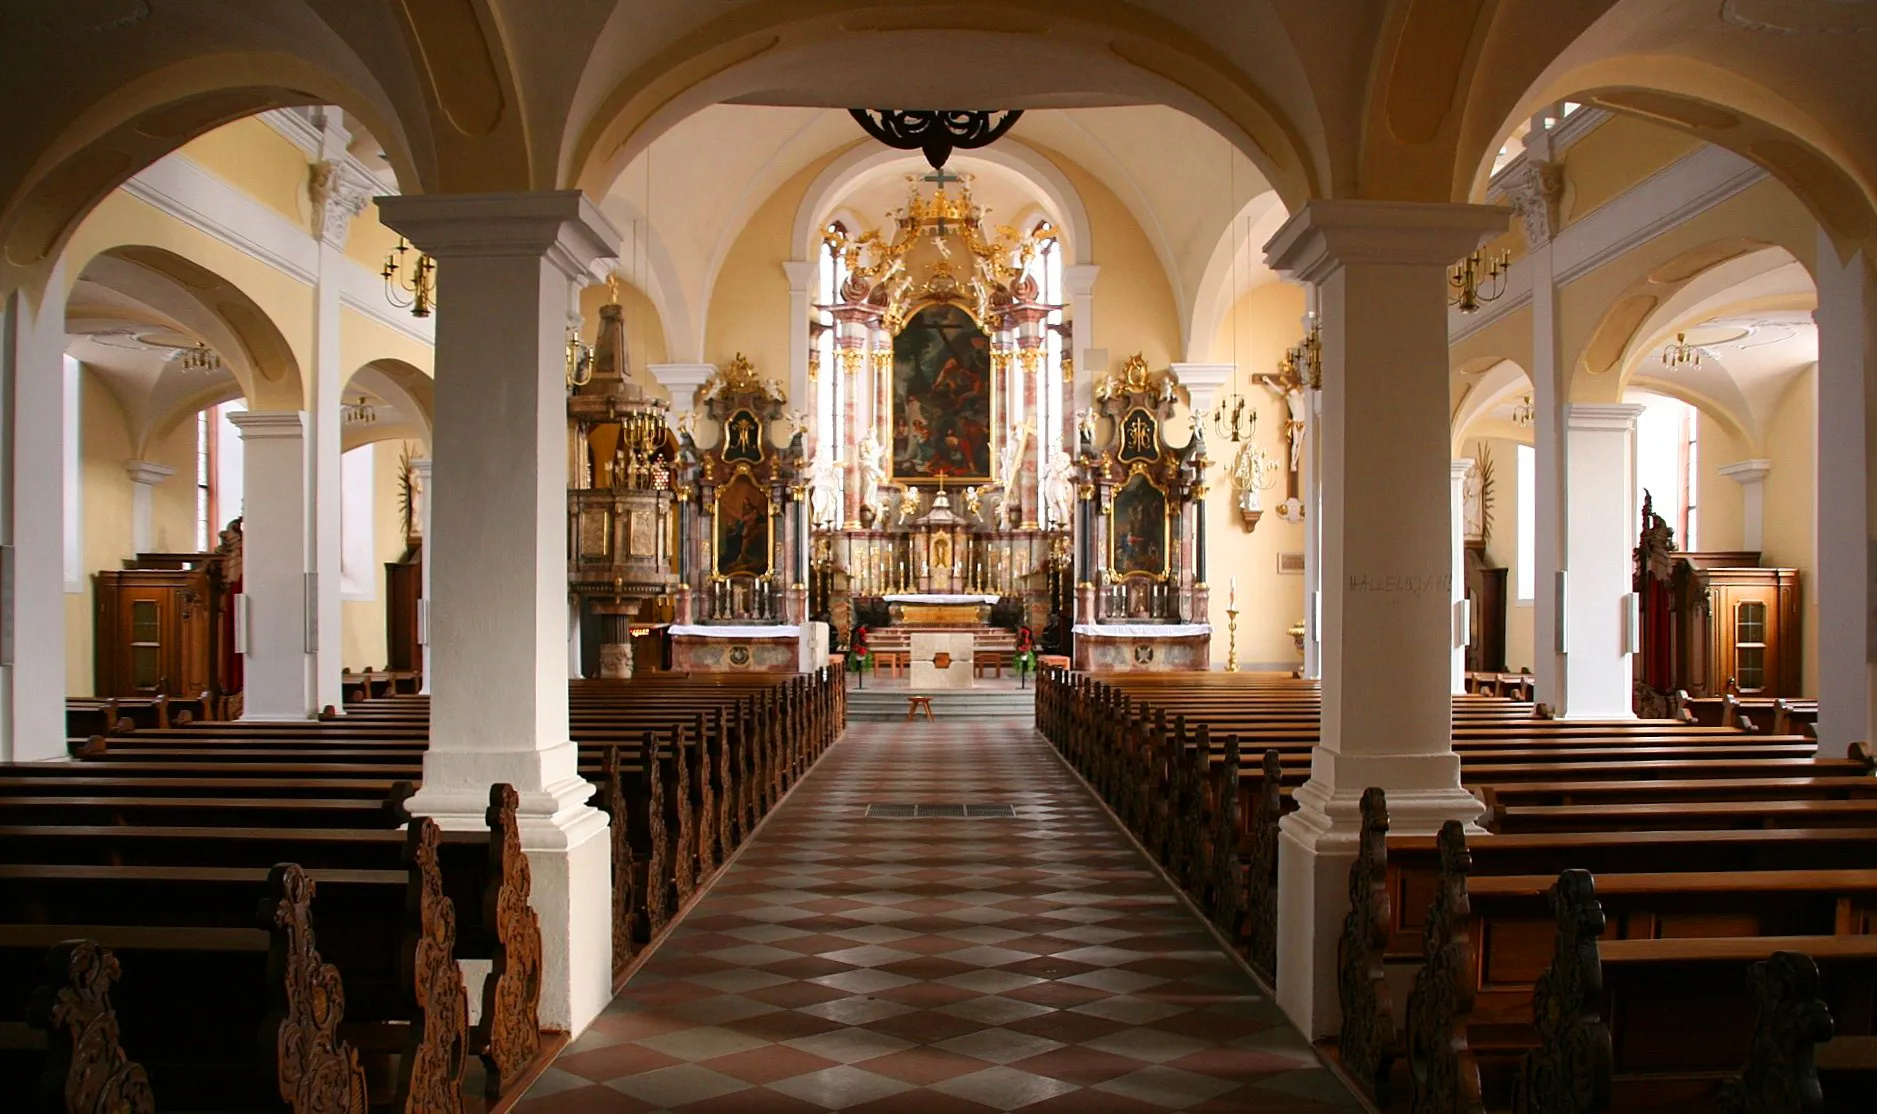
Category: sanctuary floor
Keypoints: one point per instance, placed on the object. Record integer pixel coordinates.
(942, 964)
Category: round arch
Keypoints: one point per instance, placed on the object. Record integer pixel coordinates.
(1499, 379)
(409, 390)
(1235, 267)
(1103, 48)
(1063, 202)
(148, 117)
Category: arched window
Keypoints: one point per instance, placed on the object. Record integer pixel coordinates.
(830, 277)
(1668, 462)
(1050, 402)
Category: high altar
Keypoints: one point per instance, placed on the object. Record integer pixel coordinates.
(945, 494)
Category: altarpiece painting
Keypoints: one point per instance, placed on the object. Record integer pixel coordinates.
(1139, 535)
(743, 539)
(942, 398)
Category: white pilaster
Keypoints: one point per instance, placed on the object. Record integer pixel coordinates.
(498, 556)
(420, 480)
(144, 475)
(1311, 486)
(32, 514)
(1751, 476)
(1460, 471)
(277, 665)
(338, 193)
(1380, 274)
(1847, 366)
(1600, 528)
(683, 381)
(801, 274)
(1550, 391)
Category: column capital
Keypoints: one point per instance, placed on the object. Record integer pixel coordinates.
(683, 380)
(560, 225)
(1203, 381)
(1534, 188)
(1745, 472)
(1326, 235)
(147, 472)
(1078, 280)
(1602, 417)
(258, 425)
(801, 274)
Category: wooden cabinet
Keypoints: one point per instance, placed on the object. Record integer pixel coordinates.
(1486, 603)
(155, 632)
(1752, 636)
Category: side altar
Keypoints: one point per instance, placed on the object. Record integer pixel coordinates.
(1141, 529)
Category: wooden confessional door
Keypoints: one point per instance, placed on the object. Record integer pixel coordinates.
(153, 633)
(1753, 623)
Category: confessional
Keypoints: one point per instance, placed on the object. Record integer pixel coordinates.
(164, 624)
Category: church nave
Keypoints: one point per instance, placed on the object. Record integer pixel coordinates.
(941, 964)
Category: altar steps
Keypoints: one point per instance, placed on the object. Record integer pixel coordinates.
(877, 704)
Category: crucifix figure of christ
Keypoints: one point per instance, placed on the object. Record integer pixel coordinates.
(1288, 387)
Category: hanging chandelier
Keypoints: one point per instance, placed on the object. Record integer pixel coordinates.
(361, 412)
(1524, 412)
(1477, 280)
(200, 358)
(1681, 356)
(416, 292)
(1233, 418)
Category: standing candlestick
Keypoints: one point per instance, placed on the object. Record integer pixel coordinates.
(1231, 645)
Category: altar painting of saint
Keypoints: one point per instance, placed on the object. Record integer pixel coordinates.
(942, 397)
(1138, 535)
(742, 529)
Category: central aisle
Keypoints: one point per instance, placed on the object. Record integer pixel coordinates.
(937, 964)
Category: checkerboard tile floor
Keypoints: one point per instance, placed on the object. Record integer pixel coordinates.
(936, 965)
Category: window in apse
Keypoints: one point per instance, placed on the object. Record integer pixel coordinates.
(1525, 464)
(205, 478)
(832, 274)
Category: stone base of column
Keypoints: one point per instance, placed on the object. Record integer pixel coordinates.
(682, 606)
(1201, 608)
(569, 856)
(795, 604)
(1317, 846)
(1085, 602)
(616, 661)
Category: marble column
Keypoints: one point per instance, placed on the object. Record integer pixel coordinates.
(1380, 274)
(420, 482)
(1847, 395)
(1600, 531)
(144, 476)
(32, 513)
(1751, 476)
(1461, 621)
(498, 542)
(1030, 368)
(276, 610)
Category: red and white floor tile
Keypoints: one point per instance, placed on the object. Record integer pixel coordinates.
(933, 965)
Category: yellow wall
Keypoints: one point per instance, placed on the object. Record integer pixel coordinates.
(260, 161)
(369, 242)
(1790, 534)
(1617, 154)
(1721, 503)
(1134, 306)
(645, 333)
(1269, 602)
(749, 307)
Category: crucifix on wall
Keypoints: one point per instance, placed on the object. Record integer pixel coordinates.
(1288, 386)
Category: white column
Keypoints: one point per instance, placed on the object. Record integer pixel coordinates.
(1460, 471)
(498, 549)
(420, 480)
(1751, 476)
(801, 276)
(32, 513)
(338, 194)
(1600, 529)
(1847, 364)
(144, 475)
(573, 638)
(1380, 275)
(273, 609)
(683, 381)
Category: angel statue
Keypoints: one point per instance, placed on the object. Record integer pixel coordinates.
(872, 474)
(1059, 489)
(1252, 473)
(824, 493)
(1010, 471)
(974, 500)
(909, 504)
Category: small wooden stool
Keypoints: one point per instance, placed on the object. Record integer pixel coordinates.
(914, 703)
